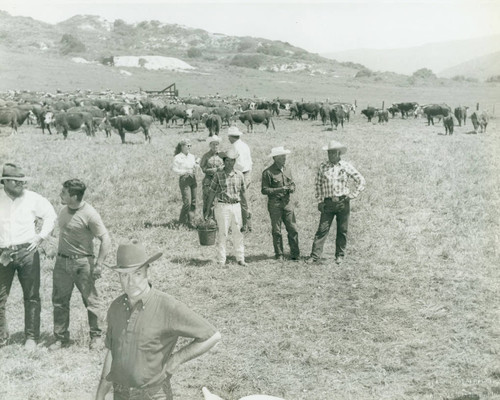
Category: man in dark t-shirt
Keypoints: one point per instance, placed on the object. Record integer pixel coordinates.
(144, 325)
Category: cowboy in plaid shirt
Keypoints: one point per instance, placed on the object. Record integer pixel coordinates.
(333, 195)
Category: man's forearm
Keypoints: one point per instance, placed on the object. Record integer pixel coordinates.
(104, 249)
(104, 385)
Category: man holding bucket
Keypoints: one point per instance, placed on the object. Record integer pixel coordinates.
(228, 186)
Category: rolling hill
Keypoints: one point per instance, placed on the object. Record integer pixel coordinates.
(480, 68)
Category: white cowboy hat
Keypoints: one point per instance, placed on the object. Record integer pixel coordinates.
(213, 138)
(334, 145)
(231, 153)
(278, 151)
(234, 131)
(132, 256)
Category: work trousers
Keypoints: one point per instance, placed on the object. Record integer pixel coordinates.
(246, 214)
(331, 209)
(229, 215)
(187, 184)
(206, 192)
(279, 211)
(159, 392)
(27, 265)
(67, 274)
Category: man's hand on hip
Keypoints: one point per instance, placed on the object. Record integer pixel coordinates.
(35, 243)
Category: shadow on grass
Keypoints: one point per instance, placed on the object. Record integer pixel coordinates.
(193, 262)
(172, 224)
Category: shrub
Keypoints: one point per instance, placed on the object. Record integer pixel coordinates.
(494, 78)
(424, 73)
(245, 44)
(363, 73)
(271, 49)
(247, 61)
(71, 44)
(194, 52)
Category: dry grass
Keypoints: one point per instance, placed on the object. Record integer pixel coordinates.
(412, 314)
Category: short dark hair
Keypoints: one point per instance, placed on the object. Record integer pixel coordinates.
(75, 188)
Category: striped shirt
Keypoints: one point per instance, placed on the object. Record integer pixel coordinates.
(332, 180)
(210, 164)
(228, 186)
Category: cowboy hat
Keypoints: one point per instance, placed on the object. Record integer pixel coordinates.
(213, 138)
(13, 172)
(231, 153)
(279, 151)
(132, 256)
(234, 131)
(334, 145)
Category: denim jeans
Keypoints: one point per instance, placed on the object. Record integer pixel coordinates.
(246, 214)
(27, 265)
(331, 209)
(187, 184)
(67, 274)
(283, 212)
(160, 392)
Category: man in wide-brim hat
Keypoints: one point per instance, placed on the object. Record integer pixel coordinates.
(19, 241)
(277, 185)
(143, 327)
(333, 195)
(228, 187)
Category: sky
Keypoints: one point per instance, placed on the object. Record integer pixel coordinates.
(317, 26)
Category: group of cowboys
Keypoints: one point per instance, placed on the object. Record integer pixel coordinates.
(228, 176)
(144, 324)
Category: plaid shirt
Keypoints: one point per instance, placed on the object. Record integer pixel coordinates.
(332, 180)
(228, 187)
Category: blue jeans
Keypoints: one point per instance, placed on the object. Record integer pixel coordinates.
(67, 274)
(187, 184)
(281, 212)
(341, 210)
(159, 392)
(27, 265)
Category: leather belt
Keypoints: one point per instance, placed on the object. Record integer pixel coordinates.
(335, 198)
(74, 257)
(229, 202)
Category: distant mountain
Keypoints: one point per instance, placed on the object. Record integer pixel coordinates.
(480, 68)
(435, 56)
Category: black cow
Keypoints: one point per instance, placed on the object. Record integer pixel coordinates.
(213, 122)
(256, 117)
(275, 107)
(294, 111)
(432, 111)
(172, 112)
(393, 110)
(448, 124)
(383, 116)
(324, 113)
(225, 113)
(132, 123)
(405, 108)
(369, 113)
(64, 122)
(461, 114)
(311, 109)
(337, 116)
(479, 120)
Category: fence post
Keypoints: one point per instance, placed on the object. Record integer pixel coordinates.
(383, 104)
(477, 106)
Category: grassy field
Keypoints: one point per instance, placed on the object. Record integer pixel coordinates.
(413, 313)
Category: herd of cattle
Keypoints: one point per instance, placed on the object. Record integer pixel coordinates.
(107, 111)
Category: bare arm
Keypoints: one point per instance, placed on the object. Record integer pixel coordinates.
(104, 249)
(104, 385)
(190, 351)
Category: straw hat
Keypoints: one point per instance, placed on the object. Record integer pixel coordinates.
(334, 145)
(213, 138)
(132, 256)
(13, 172)
(278, 151)
(234, 131)
(231, 153)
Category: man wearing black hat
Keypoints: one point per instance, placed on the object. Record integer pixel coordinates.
(334, 196)
(143, 327)
(19, 241)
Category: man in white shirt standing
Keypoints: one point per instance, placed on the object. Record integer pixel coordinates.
(244, 165)
(19, 209)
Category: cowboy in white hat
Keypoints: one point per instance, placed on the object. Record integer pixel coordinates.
(228, 187)
(19, 208)
(244, 164)
(333, 196)
(277, 184)
(210, 164)
(143, 327)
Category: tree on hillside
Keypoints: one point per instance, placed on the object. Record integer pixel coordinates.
(194, 52)
(424, 73)
(71, 44)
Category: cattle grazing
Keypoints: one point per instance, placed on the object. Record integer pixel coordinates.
(324, 113)
(461, 114)
(405, 108)
(213, 122)
(337, 116)
(275, 108)
(448, 124)
(256, 117)
(311, 109)
(383, 116)
(432, 111)
(193, 117)
(172, 112)
(225, 113)
(294, 111)
(8, 117)
(64, 122)
(132, 124)
(479, 120)
(369, 113)
(393, 110)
